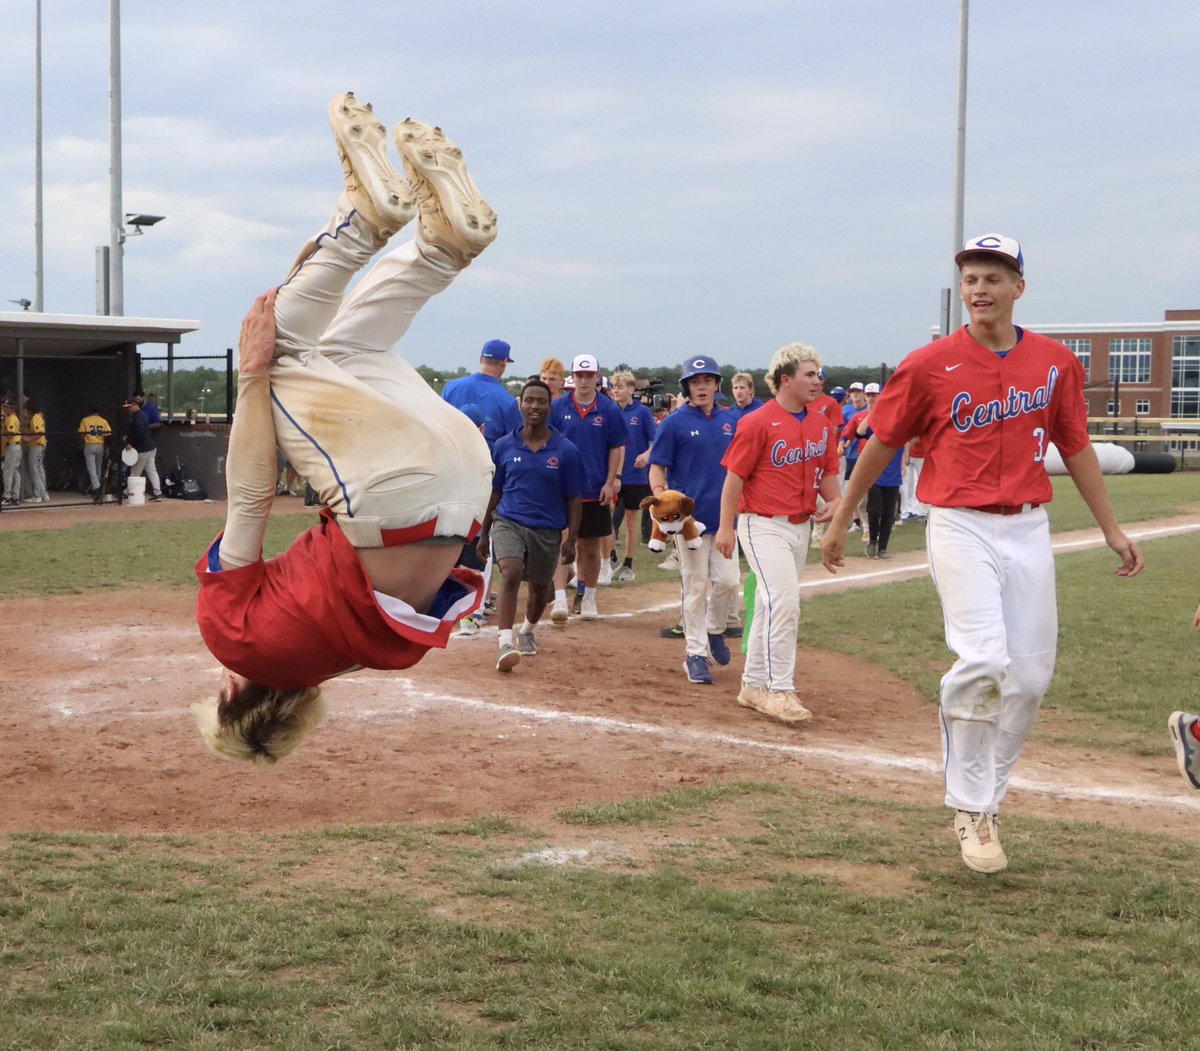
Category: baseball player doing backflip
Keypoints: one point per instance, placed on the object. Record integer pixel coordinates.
(987, 400)
(405, 477)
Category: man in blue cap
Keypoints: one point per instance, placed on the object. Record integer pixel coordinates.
(485, 390)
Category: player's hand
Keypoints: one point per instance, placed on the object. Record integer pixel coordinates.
(483, 548)
(725, 541)
(642, 460)
(608, 493)
(825, 513)
(256, 345)
(833, 548)
(1130, 554)
(568, 552)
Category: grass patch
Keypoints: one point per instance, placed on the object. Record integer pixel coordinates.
(221, 941)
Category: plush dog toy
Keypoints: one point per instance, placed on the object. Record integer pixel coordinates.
(670, 513)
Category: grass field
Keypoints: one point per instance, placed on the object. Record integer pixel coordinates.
(745, 916)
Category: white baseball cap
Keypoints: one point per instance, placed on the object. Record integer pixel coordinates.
(855, 386)
(585, 363)
(871, 388)
(1007, 248)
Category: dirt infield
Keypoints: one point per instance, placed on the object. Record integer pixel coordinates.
(98, 735)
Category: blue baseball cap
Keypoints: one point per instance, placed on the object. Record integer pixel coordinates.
(497, 350)
(474, 413)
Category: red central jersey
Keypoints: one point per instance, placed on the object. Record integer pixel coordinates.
(311, 613)
(781, 460)
(985, 420)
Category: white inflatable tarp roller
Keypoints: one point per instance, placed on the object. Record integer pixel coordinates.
(1113, 459)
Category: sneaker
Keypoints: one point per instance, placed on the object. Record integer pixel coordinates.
(783, 705)
(979, 838)
(696, 668)
(606, 574)
(509, 658)
(155, 497)
(872, 549)
(624, 575)
(558, 614)
(734, 632)
(526, 643)
(671, 562)
(883, 556)
(588, 609)
(674, 632)
(577, 604)
(855, 527)
(468, 626)
(718, 648)
(489, 604)
(454, 214)
(1187, 748)
(376, 190)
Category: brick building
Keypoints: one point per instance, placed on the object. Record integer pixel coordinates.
(1147, 369)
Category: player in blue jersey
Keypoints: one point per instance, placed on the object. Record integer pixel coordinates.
(535, 496)
(686, 456)
(486, 390)
(635, 473)
(594, 424)
(744, 400)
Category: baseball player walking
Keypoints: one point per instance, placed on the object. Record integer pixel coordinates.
(987, 400)
(781, 457)
(405, 475)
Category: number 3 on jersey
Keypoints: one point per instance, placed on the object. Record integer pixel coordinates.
(1039, 434)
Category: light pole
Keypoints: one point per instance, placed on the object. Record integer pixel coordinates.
(960, 168)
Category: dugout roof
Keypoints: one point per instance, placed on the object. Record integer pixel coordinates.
(59, 335)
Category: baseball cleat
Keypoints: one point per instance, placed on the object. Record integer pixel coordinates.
(673, 632)
(577, 603)
(872, 549)
(587, 608)
(454, 214)
(624, 575)
(670, 562)
(696, 669)
(606, 574)
(979, 838)
(1187, 747)
(468, 626)
(377, 191)
(558, 615)
(719, 649)
(783, 705)
(508, 659)
(526, 643)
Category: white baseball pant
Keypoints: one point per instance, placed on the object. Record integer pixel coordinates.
(995, 577)
(147, 465)
(93, 458)
(705, 613)
(909, 504)
(388, 456)
(775, 550)
(12, 472)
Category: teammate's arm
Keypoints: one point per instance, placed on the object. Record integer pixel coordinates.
(658, 478)
(616, 456)
(250, 467)
(731, 496)
(871, 462)
(831, 492)
(485, 529)
(1084, 470)
(574, 513)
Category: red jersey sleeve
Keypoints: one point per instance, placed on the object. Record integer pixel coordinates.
(745, 449)
(1068, 428)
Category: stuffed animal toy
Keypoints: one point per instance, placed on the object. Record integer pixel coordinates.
(670, 513)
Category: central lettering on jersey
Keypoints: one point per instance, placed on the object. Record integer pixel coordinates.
(782, 456)
(1017, 403)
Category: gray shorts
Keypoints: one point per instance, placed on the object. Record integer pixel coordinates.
(537, 548)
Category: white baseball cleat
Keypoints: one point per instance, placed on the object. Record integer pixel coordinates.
(587, 610)
(979, 838)
(558, 615)
(454, 214)
(508, 658)
(783, 705)
(377, 191)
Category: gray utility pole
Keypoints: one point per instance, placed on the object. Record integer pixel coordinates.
(960, 171)
(38, 261)
(116, 215)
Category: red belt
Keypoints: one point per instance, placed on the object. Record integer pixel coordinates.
(1004, 509)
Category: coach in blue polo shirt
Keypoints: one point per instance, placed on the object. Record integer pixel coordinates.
(686, 456)
(535, 496)
(485, 389)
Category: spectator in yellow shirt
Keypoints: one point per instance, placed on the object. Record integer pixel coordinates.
(94, 431)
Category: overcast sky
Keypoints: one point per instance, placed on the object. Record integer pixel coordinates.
(671, 177)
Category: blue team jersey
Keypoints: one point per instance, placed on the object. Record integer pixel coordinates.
(535, 486)
(738, 413)
(690, 446)
(501, 413)
(594, 431)
(640, 422)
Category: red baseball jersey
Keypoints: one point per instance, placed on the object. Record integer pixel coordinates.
(781, 460)
(985, 419)
(854, 441)
(827, 407)
(311, 613)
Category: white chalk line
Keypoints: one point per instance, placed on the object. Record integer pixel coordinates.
(843, 756)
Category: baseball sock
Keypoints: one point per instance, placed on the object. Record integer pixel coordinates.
(527, 628)
(629, 563)
(588, 592)
(560, 596)
(505, 637)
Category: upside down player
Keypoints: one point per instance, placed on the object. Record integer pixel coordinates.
(405, 476)
(986, 401)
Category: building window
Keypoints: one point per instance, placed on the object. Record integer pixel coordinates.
(1114, 408)
(1142, 407)
(1082, 349)
(1185, 376)
(1129, 360)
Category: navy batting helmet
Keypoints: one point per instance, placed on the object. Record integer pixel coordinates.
(700, 365)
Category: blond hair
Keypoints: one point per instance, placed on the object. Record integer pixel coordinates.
(787, 360)
(624, 377)
(553, 365)
(261, 725)
(742, 377)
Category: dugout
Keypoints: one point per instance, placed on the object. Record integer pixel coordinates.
(66, 362)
